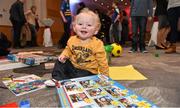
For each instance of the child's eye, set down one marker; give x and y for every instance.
(89, 25)
(79, 24)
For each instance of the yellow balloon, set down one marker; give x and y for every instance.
(117, 49)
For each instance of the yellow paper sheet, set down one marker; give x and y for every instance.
(125, 73)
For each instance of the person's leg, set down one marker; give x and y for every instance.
(106, 34)
(123, 35)
(173, 19)
(81, 73)
(33, 35)
(173, 15)
(163, 31)
(68, 32)
(61, 70)
(119, 32)
(160, 38)
(66, 35)
(160, 32)
(165, 34)
(116, 32)
(142, 30)
(15, 34)
(20, 25)
(66, 70)
(111, 34)
(135, 33)
(62, 40)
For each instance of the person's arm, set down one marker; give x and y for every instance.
(118, 16)
(100, 56)
(150, 9)
(61, 11)
(27, 13)
(63, 17)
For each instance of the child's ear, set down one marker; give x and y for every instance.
(74, 28)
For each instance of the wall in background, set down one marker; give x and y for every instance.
(5, 24)
(4, 11)
(6, 4)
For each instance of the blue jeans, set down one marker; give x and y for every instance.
(114, 32)
(33, 34)
(138, 25)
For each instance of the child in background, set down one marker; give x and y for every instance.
(84, 54)
(32, 19)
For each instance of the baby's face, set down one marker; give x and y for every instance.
(85, 26)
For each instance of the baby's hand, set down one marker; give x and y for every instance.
(62, 58)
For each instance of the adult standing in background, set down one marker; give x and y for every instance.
(17, 19)
(173, 16)
(32, 19)
(66, 15)
(114, 28)
(161, 13)
(125, 27)
(141, 10)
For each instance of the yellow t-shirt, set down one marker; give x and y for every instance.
(88, 55)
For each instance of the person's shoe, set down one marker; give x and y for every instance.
(132, 51)
(171, 49)
(164, 45)
(159, 47)
(50, 83)
(144, 51)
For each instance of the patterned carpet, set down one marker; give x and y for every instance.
(162, 86)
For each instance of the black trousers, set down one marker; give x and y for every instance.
(17, 26)
(173, 15)
(66, 70)
(67, 33)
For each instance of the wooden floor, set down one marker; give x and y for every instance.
(162, 86)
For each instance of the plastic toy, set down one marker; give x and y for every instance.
(108, 49)
(24, 104)
(117, 49)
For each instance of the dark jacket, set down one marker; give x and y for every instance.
(161, 7)
(17, 12)
(141, 7)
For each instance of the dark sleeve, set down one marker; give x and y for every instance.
(62, 8)
(131, 3)
(150, 7)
